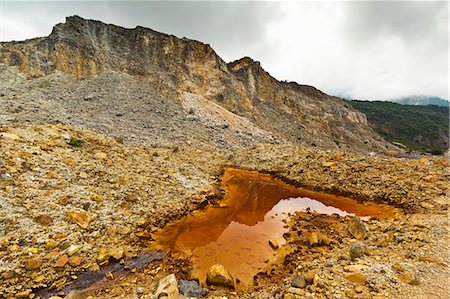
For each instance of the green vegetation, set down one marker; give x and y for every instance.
(75, 142)
(422, 128)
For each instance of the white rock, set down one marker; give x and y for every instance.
(168, 285)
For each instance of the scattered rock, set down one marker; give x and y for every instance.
(9, 136)
(80, 218)
(62, 261)
(408, 277)
(43, 219)
(357, 249)
(313, 238)
(167, 286)
(50, 244)
(89, 97)
(354, 268)
(33, 264)
(103, 255)
(357, 228)
(109, 276)
(75, 261)
(356, 277)
(274, 244)
(191, 288)
(100, 156)
(23, 294)
(139, 290)
(398, 267)
(217, 275)
(299, 282)
(362, 296)
(430, 259)
(309, 276)
(117, 253)
(73, 249)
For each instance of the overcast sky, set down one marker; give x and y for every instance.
(361, 50)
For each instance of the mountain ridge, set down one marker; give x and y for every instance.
(193, 75)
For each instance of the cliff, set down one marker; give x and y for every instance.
(190, 78)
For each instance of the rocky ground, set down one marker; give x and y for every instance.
(73, 200)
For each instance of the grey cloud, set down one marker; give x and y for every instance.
(230, 27)
(415, 22)
(360, 49)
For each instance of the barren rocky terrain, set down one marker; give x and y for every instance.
(68, 208)
(108, 134)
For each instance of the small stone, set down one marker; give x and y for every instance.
(43, 219)
(359, 289)
(357, 250)
(356, 277)
(89, 97)
(80, 218)
(100, 155)
(408, 277)
(51, 255)
(426, 205)
(313, 239)
(8, 274)
(131, 198)
(328, 164)
(96, 197)
(32, 250)
(167, 286)
(10, 136)
(430, 259)
(103, 255)
(274, 244)
(39, 279)
(354, 268)
(23, 294)
(309, 276)
(109, 276)
(75, 261)
(139, 290)
(217, 275)
(33, 264)
(73, 249)
(117, 253)
(299, 282)
(326, 240)
(398, 267)
(357, 228)
(62, 261)
(50, 244)
(190, 288)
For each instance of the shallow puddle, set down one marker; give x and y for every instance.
(254, 211)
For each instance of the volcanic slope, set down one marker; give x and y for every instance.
(156, 89)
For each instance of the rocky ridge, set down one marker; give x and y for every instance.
(182, 87)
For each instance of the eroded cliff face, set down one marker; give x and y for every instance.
(240, 94)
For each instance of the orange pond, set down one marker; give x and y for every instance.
(256, 206)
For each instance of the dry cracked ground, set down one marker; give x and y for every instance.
(74, 201)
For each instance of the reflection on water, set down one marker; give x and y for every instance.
(252, 213)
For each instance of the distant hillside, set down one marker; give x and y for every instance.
(423, 128)
(418, 100)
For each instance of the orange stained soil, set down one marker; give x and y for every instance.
(255, 209)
